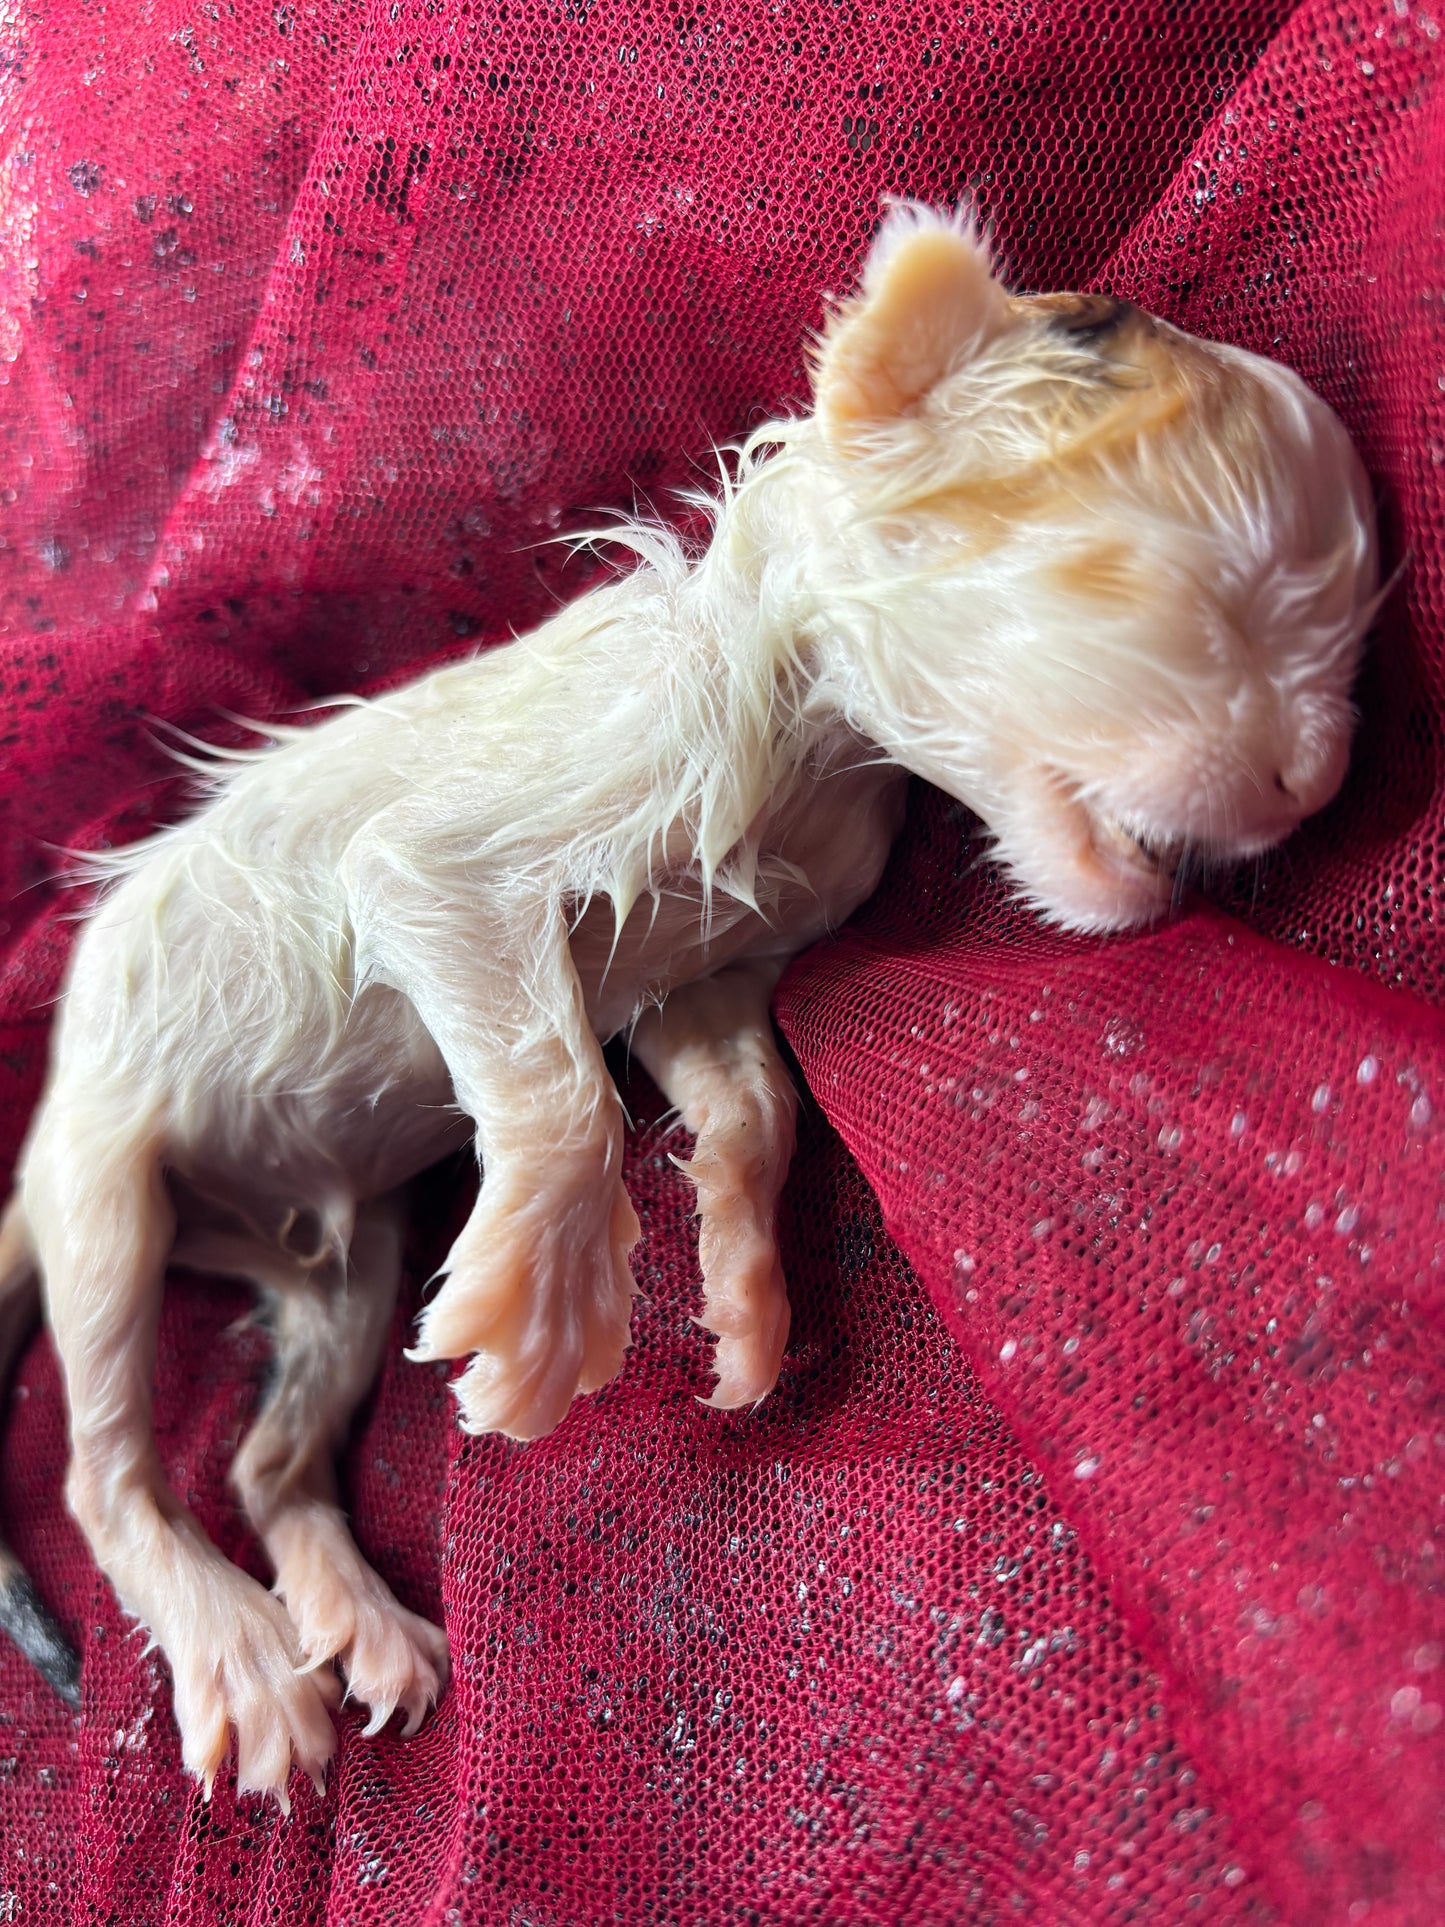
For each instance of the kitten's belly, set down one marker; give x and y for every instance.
(370, 1109)
(356, 1114)
(354, 1118)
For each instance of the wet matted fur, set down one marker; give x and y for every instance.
(1102, 582)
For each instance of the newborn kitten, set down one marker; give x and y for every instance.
(1103, 583)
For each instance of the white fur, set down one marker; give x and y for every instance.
(1107, 590)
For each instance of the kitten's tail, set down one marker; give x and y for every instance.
(22, 1615)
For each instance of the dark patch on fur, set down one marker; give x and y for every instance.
(1091, 317)
(1087, 318)
(25, 1619)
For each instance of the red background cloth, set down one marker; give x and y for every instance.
(1081, 1568)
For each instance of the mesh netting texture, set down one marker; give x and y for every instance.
(1084, 1566)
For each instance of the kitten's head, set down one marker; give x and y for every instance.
(1116, 577)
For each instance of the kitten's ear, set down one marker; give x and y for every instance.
(929, 301)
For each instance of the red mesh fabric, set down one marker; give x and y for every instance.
(1083, 1567)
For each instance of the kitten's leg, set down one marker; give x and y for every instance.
(330, 1332)
(710, 1047)
(102, 1225)
(538, 1284)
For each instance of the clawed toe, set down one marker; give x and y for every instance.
(747, 1367)
(280, 1716)
(392, 1659)
(521, 1398)
(397, 1662)
(746, 1308)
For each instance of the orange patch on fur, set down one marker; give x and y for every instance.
(1104, 573)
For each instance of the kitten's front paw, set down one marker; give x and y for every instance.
(747, 1310)
(540, 1289)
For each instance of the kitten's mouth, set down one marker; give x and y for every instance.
(1101, 868)
(1090, 867)
(1142, 853)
